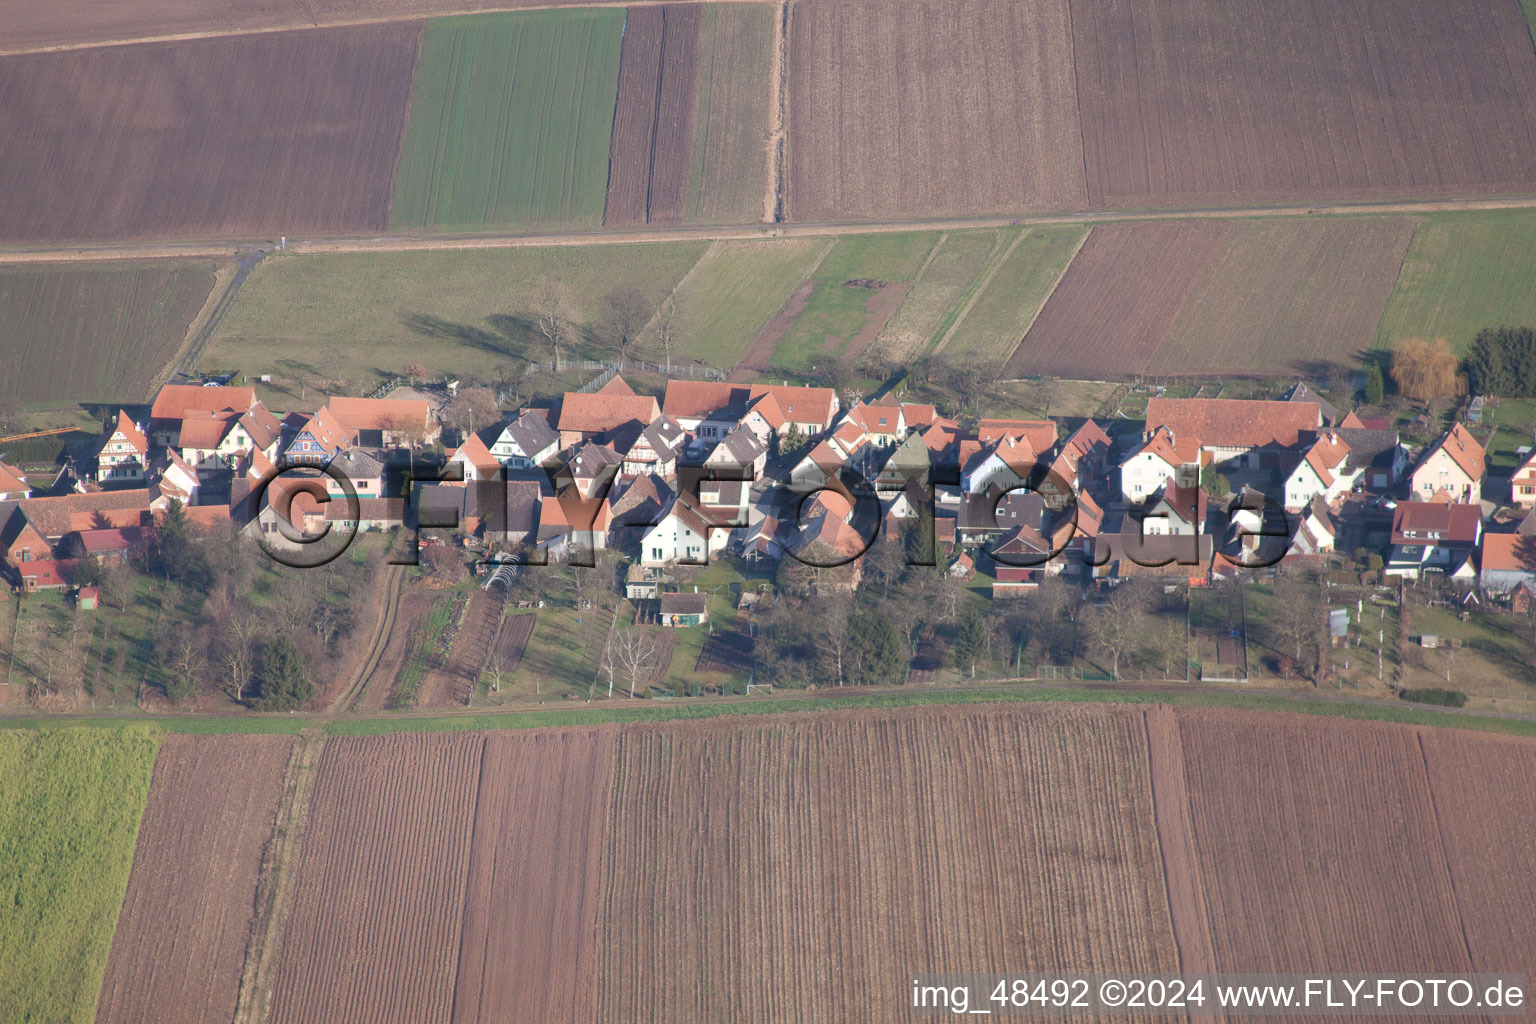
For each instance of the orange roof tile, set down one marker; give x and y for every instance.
(380, 413)
(1040, 433)
(595, 414)
(1235, 423)
(175, 401)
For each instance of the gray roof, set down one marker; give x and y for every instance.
(1369, 447)
(1302, 393)
(740, 447)
(683, 604)
(531, 432)
(591, 460)
(665, 437)
(357, 464)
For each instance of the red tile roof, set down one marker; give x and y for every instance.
(11, 480)
(206, 429)
(175, 401)
(1414, 521)
(616, 386)
(1235, 423)
(698, 399)
(596, 414)
(380, 413)
(56, 516)
(1464, 450)
(1509, 552)
(130, 431)
(1041, 434)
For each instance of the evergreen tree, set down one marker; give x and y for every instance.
(881, 653)
(281, 682)
(1375, 386)
(970, 641)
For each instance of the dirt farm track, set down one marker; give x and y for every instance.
(799, 867)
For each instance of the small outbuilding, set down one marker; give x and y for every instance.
(684, 609)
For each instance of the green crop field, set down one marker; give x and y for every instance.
(509, 121)
(1464, 272)
(69, 813)
(835, 313)
(1008, 304)
(94, 331)
(357, 316)
(728, 177)
(940, 293)
(733, 291)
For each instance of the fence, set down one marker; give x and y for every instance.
(639, 365)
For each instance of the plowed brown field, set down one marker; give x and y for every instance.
(378, 894)
(242, 136)
(930, 107)
(530, 910)
(1482, 798)
(1186, 102)
(1254, 297)
(1319, 847)
(1117, 299)
(649, 153)
(802, 869)
(186, 919)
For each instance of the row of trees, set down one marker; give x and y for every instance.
(1502, 362)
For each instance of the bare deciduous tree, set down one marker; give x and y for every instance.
(629, 652)
(625, 312)
(552, 317)
(1119, 628)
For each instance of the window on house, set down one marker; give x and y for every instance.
(656, 553)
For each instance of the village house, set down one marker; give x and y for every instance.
(385, 422)
(1000, 465)
(12, 484)
(473, 460)
(711, 409)
(1375, 453)
(592, 469)
(173, 478)
(1322, 472)
(739, 450)
(1434, 536)
(1247, 433)
(1522, 483)
(1452, 469)
(1021, 562)
(527, 442)
(123, 454)
(607, 413)
(1040, 434)
(364, 471)
(175, 403)
(1162, 458)
(1177, 511)
(219, 437)
(685, 534)
(655, 450)
(882, 421)
(1508, 560)
(315, 440)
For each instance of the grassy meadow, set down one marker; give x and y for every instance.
(734, 289)
(509, 121)
(358, 316)
(1007, 305)
(69, 814)
(834, 312)
(1464, 272)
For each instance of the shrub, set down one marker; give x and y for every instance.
(1436, 695)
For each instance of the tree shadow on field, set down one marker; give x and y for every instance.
(464, 334)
